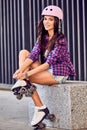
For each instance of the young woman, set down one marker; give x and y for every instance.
(49, 61)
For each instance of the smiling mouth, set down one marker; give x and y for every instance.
(47, 26)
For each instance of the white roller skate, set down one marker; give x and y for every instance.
(40, 114)
(23, 87)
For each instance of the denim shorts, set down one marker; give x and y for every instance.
(59, 79)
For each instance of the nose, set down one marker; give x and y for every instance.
(47, 21)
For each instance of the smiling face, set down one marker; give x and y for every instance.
(48, 23)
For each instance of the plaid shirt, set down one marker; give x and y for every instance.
(58, 58)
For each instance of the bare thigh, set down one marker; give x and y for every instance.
(23, 54)
(43, 78)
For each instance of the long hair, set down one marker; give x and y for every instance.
(42, 32)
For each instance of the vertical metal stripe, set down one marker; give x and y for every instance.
(52, 1)
(78, 42)
(8, 42)
(57, 2)
(47, 2)
(2, 56)
(38, 10)
(30, 25)
(34, 22)
(5, 38)
(73, 32)
(12, 39)
(68, 36)
(15, 32)
(18, 24)
(62, 6)
(23, 30)
(84, 41)
(42, 3)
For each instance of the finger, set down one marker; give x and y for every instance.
(15, 75)
(17, 71)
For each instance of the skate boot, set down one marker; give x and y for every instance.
(39, 115)
(23, 87)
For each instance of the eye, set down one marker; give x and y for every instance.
(45, 18)
(51, 19)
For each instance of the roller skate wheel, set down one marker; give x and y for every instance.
(28, 94)
(40, 126)
(15, 93)
(16, 89)
(51, 117)
(19, 96)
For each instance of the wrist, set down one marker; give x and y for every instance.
(26, 75)
(21, 70)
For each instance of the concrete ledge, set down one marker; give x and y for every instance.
(67, 101)
(6, 87)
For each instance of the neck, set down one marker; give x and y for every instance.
(50, 33)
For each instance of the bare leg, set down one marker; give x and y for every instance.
(36, 99)
(22, 56)
(40, 78)
(43, 78)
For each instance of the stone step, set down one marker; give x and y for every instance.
(67, 101)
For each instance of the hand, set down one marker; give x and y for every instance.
(17, 74)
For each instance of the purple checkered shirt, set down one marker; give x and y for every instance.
(58, 58)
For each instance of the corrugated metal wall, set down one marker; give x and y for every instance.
(18, 22)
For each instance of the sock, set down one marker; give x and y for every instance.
(42, 107)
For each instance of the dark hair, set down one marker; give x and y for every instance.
(42, 33)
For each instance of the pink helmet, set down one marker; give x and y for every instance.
(53, 10)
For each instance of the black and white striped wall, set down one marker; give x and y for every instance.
(18, 26)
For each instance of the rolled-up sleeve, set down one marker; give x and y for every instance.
(34, 55)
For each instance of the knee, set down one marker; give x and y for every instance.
(24, 53)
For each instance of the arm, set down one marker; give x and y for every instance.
(19, 72)
(38, 69)
(34, 55)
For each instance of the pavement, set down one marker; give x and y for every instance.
(13, 112)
